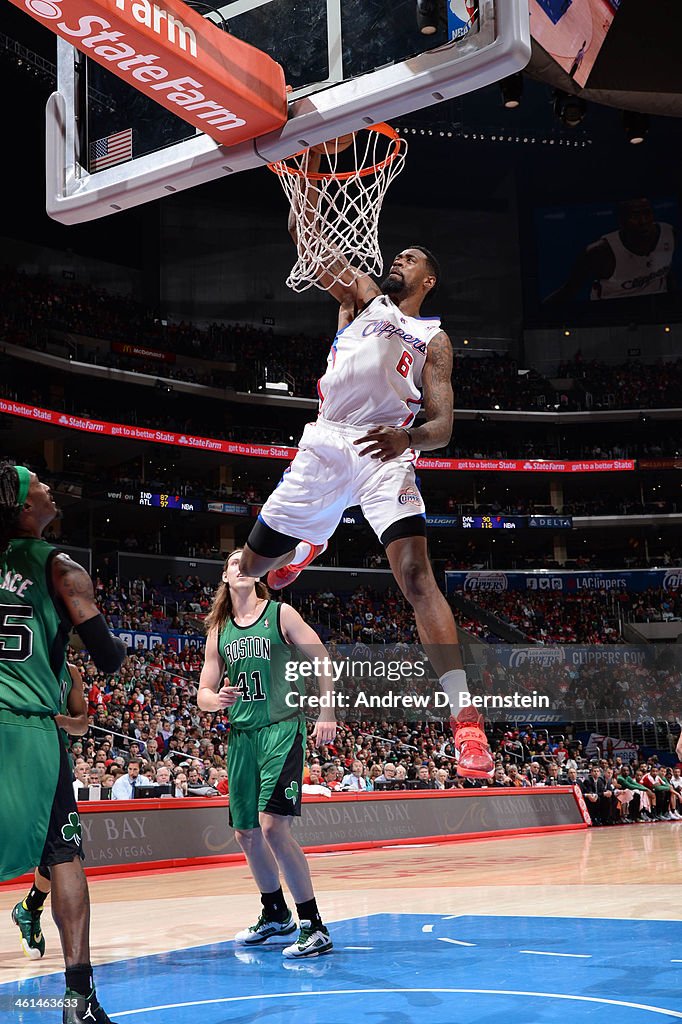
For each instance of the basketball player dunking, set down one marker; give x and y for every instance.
(385, 363)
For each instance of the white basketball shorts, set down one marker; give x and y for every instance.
(328, 475)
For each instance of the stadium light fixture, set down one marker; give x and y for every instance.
(635, 126)
(569, 109)
(512, 90)
(427, 17)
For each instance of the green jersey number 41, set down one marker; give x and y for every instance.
(243, 685)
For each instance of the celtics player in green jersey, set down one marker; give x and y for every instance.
(72, 720)
(265, 748)
(43, 595)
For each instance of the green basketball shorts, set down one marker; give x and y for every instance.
(265, 771)
(39, 823)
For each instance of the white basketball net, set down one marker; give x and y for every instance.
(337, 211)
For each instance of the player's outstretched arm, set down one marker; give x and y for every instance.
(298, 633)
(211, 696)
(73, 587)
(350, 289)
(76, 721)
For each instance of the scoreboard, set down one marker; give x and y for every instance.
(492, 522)
(175, 501)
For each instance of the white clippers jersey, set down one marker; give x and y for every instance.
(374, 367)
(637, 275)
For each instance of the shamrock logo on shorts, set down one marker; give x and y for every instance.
(71, 832)
(291, 792)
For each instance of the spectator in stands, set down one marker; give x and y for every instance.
(653, 780)
(331, 777)
(612, 805)
(423, 781)
(387, 774)
(593, 791)
(533, 773)
(125, 786)
(516, 779)
(629, 796)
(80, 772)
(315, 785)
(196, 786)
(180, 783)
(354, 781)
(163, 776)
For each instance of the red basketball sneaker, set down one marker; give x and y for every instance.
(474, 760)
(280, 578)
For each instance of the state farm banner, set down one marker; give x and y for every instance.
(273, 451)
(214, 81)
(133, 433)
(565, 581)
(142, 352)
(531, 465)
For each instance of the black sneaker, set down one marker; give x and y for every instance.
(83, 1009)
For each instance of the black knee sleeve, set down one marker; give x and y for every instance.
(268, 543)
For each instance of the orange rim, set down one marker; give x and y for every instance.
(281, 167)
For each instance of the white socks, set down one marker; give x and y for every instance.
(454, 683)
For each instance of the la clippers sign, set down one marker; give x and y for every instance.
(220, 85)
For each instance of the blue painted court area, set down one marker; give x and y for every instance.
(404, 969)
(555, 9)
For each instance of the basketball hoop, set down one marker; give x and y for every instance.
(337, 208)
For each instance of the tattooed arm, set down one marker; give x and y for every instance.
(74, 588)
(73, 585)
(438, 397)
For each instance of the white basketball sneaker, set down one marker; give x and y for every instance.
(265, 929)
(310, 942)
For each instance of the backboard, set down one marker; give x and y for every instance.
(349, 62)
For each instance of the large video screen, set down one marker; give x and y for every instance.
(603, 251)
(572, 31)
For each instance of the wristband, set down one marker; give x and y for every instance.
(409, 434)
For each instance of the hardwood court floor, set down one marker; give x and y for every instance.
(628, 873)
(586, 22)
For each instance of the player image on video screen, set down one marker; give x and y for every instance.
(634, 260)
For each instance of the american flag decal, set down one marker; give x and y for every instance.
(113, 149)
